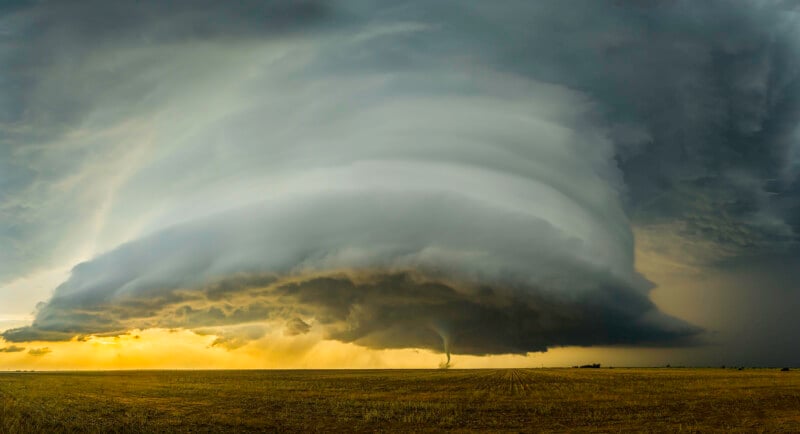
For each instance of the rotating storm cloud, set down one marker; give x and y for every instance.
(414, 175)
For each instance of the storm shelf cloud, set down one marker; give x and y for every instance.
(457, 176)
(382, 270)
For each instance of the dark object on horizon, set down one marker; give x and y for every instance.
(785, 369)
(741, 369)
(592, 366)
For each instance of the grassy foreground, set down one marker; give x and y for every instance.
(510, 400)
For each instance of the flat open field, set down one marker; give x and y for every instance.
(505, 400)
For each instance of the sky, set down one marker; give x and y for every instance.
(372, 184)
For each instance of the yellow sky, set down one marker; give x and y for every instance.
(165, 349)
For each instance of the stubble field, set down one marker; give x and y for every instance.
(660, 400)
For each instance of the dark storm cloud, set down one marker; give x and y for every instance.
(714, 113)
(482, 163)
(398, 311)
(704, 117)
(12, 349)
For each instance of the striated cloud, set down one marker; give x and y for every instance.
(429, 271)
(460, 176)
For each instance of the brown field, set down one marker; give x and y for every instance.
(661, 400)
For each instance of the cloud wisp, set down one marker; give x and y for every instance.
(39, 352)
